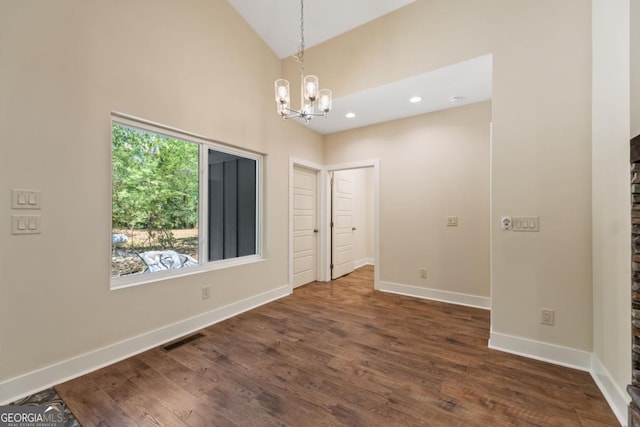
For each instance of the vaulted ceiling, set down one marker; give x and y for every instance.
(278, 23)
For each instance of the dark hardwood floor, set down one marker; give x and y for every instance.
(339, 353)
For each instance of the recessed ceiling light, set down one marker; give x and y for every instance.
(415, 99)
(350, 115)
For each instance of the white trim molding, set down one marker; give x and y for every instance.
(35, 381)
(558, 355)
(362, 262)
(617, 398)
(436, 295)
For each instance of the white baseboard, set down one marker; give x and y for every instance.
(617, 398)
(558, 355)
(436, 294)
(362, 262)
(564, 356)
(32, 382)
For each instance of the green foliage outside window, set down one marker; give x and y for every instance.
(154, 184)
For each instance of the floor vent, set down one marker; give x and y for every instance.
(181, 342)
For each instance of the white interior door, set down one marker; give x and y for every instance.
(342, 230)
(304, 226)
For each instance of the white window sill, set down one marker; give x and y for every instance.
(143, 279)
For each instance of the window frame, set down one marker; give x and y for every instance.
(204, 160)
(204, 144)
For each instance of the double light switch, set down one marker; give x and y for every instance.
(25, 224)
(26, 199)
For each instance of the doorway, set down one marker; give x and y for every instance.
(354, 240)
(351, 220)
(321, 242)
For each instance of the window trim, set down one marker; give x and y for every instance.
(204, 144)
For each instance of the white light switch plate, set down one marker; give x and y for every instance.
(26, 199)
(25, 224)
(525, 223)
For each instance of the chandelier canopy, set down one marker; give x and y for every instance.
(313, 101)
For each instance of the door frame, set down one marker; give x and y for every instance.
(324, 214)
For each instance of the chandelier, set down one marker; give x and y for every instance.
(310, 94)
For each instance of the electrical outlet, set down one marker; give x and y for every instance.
(423, 273)
(206, 292)
(505, 223)
(452, 221)
(547, 316)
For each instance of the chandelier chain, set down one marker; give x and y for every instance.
(299, 57)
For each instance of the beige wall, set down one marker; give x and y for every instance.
(611, 198)
(64, 67)
(541, 151)
(431, 166)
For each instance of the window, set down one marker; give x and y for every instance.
(232, 206)
(169, 214)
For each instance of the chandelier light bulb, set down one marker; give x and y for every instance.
(282, 91)
(310, 88)
(311, 91)
(325, 100)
